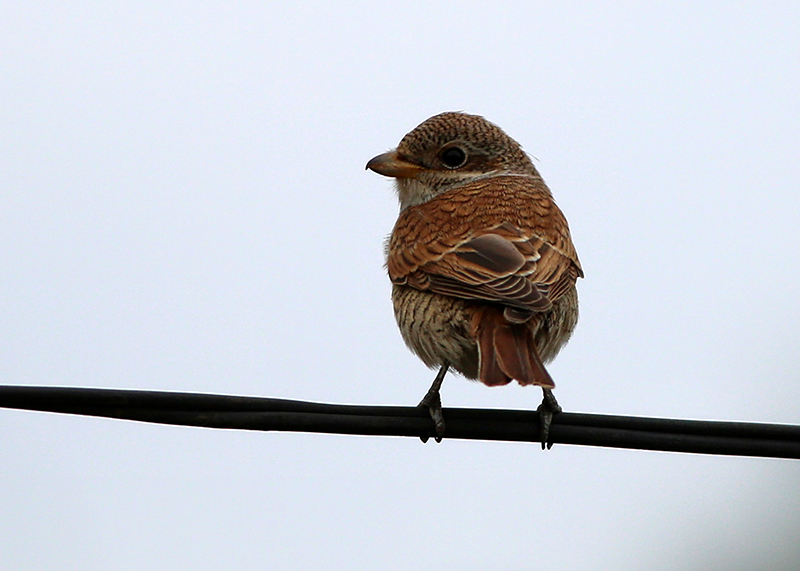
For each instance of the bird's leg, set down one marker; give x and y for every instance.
(547, 409)
(433, 402)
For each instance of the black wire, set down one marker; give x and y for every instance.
(251, 413)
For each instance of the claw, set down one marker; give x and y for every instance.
(547, 409)
(433, 402)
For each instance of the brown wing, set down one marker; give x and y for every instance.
(501, 240)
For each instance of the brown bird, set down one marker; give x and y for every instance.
(481, 260)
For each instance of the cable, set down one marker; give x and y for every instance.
(267, 414)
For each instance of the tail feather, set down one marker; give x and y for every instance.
(491, 372)
(506, 351)
(512, 350)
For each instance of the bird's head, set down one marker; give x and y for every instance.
(446, 151)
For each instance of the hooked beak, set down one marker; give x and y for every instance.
(392, 164)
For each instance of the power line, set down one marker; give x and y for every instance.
(267, 414)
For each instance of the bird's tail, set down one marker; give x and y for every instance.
(506, 351)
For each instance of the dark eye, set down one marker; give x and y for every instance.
(454, 157)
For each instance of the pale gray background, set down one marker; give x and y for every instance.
(184, 207)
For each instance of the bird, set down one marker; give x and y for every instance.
(481, 260)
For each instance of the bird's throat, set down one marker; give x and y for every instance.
(412, 192)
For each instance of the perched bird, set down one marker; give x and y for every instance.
(481, 260)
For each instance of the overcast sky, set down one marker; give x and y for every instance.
(184, 206)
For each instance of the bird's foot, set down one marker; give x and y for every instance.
(433, 402)
(547, 409)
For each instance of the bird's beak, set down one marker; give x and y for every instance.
(392, 164)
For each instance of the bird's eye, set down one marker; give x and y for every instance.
(454, 157)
